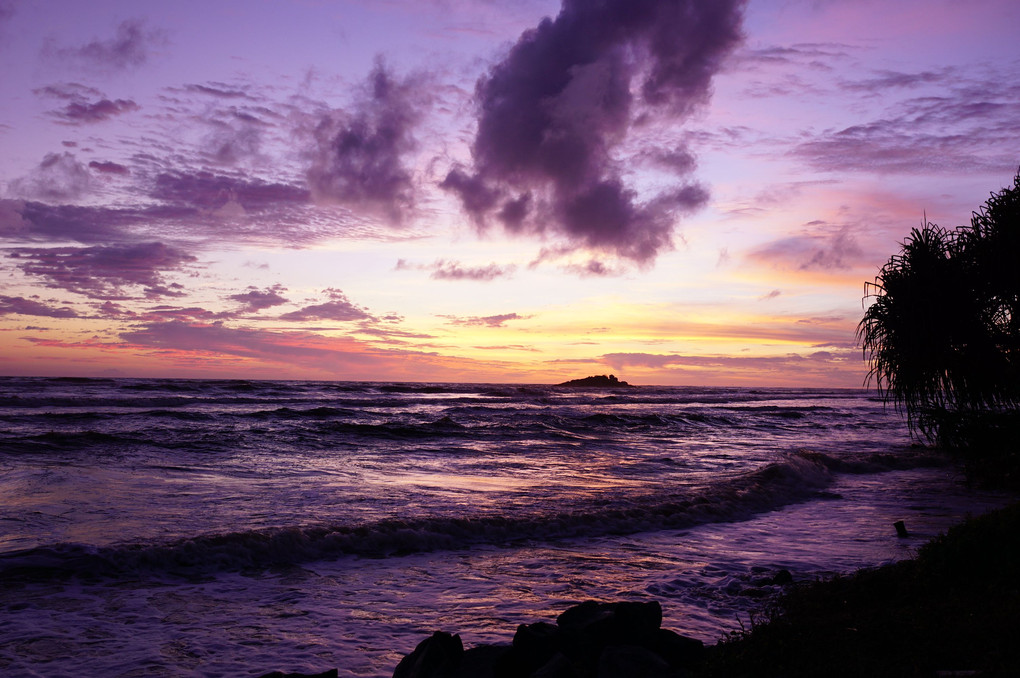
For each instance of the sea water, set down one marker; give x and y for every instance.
(227, 528)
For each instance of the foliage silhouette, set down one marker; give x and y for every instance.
(942, 333)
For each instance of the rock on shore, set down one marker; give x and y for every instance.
(596, 640)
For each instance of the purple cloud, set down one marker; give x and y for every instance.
(23, 306)
(208, 191)
(84, 224)
(129, 48)
(961, 127)
(486, 321)
(102, 271)
(190, 313)
(884, 80)
(442, 269)
(340, 355)
(69, 91)
(592, 268)
(827, 251)
(78, 112)
(359, 158)
(255, 300)
(109, 167)
(553, 112)
(217, 89)
(58, 177)
(804, 365)
(338, 308)
(12, 223)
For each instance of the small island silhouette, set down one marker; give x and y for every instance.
(599, 381)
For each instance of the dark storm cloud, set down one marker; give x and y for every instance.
(443, 269)
(78, 112)
(22, 306)
(360, 158)
(554, 110)
(103, 271)
(254, 299)
(338, 308)
(128, 48)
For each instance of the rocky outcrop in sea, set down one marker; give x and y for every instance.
(597, 381)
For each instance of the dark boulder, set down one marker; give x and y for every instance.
(588, 640)
(678, 651)
(438, 656)
(481, 661)
(534, 645)
(559, 666)
(782, 578)
(631, 661)
(620, 623)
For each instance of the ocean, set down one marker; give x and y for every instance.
(164, 527)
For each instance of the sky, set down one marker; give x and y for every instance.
(677, 192)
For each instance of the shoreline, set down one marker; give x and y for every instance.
(952, 610)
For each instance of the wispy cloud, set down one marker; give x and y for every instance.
(834, 250)
(254, 299)
(105, 271)
(129, 47)
(59, 177)
(486, 321)
(23, 306)
(444, 269)
(79, 112)
(960, 126)
(338, 308)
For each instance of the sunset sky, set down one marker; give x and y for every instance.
(676, 192)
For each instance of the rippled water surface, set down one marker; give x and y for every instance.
(183, 527)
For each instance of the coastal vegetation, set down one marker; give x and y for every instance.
(951, 611)
(942, 334)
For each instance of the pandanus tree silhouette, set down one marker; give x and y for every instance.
(942, 331)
